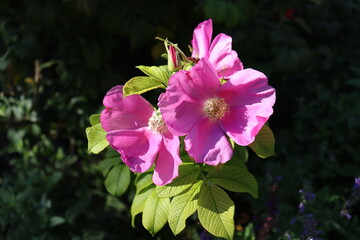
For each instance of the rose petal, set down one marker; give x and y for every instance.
(138, 148)
(220, 47)
(227, 65)
(248, 87)
(179, 111)
(168, 161)
(201, 39)
(242, 124)
(182, 103)
(207, 143)
(251, 100)
(123, 113)
(204, 79)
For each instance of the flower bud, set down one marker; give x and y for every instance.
(174, 60)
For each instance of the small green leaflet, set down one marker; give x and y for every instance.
(118, 180)
(188, 174)
(105, 165)
(159, 73)
(157, 77)
(183, 206)
(240, 152)
(216, 211)
(142, 181)
(96, 138)
(155, 213)
(139, 85)
(264, 144)
(235, 179)
(138, 203)
(94, 119)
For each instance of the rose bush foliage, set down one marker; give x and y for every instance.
(214, 105)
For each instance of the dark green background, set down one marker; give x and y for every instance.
(49, 185)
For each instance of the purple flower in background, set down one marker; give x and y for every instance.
(307, 198)
(310, 227)
(204, 235)
(305, 217)
(352, 200)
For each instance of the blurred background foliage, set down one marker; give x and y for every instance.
(58, 58)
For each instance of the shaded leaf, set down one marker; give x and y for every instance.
(264, 144)
(143, 180)
(105, 165)
(118, 179)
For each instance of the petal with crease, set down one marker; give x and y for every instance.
(168, 161)
(138, 148)
(123, 113)
(201, 39)
(207, 143)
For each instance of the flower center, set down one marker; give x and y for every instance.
(156, 123)
(216, 108)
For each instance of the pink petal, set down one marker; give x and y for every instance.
(204, 78)
(242, 124)
(168, 161)
(227, 65)
(201, 39)
(138, 148)
(222, 57)
(207, 143)
(251, 100)
(182, 104)
(248, 87)
(179, 111)
(123, 113)
(220, 47)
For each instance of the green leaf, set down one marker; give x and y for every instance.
(188, 175)
(143, 180)
(264, 144)
(94, 119)
(155, 213)
(216, 211)
(139, 85)
(240, 152)
(96, 139)
(235, 179)
(56, 220)
(182, 207)
(118, 179)
(159, 73)
(105, 165)
(138, 203)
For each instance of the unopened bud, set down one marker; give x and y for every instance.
(174, 60)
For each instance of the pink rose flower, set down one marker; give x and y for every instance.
(197, 105)
(219, 52)
(139, 134)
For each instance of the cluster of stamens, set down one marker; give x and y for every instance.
(156, 123)
(216, 108)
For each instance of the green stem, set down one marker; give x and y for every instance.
(184, 57)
